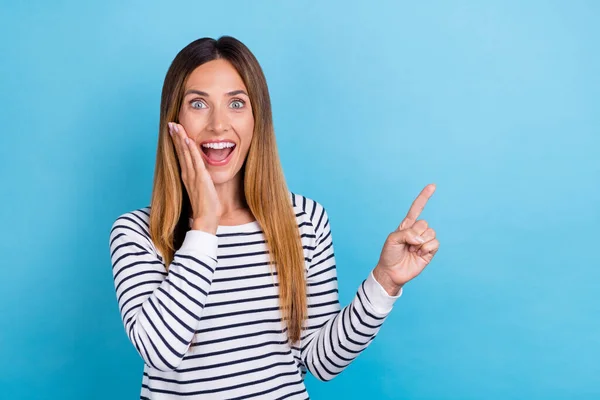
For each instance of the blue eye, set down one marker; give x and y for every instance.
(195, 103)
(238, 101)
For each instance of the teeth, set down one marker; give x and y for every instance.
(220, 145)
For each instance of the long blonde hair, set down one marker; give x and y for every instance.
(264, 184)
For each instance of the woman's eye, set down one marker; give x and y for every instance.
(237, 104)
(197, 104)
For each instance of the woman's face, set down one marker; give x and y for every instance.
(216, 112)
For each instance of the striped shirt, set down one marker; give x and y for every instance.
(211, 328)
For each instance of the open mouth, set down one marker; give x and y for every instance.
(218, 153)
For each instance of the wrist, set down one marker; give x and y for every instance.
(386, 282)
(201, 224)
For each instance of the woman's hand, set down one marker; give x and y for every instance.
(409, 249)
(206, 207)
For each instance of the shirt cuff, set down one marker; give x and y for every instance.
(197, 241)
(378, 297)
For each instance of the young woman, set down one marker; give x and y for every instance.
(227, 283)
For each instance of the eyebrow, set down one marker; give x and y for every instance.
(201, 93)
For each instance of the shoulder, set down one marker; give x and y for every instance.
(134, 225)
(311, 212)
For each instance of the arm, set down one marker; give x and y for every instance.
(334, 337)
(160, 310)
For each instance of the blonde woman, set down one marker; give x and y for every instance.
(227, 282)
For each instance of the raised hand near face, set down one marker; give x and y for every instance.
(206, 207)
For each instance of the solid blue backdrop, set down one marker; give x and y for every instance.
(496, 103)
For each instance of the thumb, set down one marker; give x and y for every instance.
(407, 236)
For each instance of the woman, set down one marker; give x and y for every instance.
(227, 283)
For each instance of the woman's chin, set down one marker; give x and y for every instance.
(220, 177)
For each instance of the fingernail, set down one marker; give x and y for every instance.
(419, 239)
(187, 141)
(175, 128)
(419, 253)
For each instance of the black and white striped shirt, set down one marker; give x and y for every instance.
(211, 328)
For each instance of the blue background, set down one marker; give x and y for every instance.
(496, 102)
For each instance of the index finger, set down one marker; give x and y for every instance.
(417, 207)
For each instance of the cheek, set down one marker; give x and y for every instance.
(247, 138)
(249, 129)
(193, 123)
(245, 130)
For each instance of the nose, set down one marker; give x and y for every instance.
(219, 120)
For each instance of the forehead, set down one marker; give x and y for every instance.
(217, 76)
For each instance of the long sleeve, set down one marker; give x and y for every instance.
(334, 337)
(160, 310)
